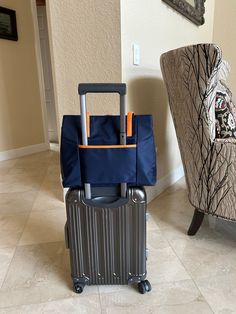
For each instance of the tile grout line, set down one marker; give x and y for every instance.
(17, 244)
(27, 220)
(198, 288)
(15, 248)
(99, 295)
(40, 303)
(30, 211)
(23, 229)
(8, 268)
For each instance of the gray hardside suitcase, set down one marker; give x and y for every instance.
(107, 238)
(106, 226)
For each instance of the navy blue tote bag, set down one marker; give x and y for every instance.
(104, 161)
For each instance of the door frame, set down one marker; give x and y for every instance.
(40, 73)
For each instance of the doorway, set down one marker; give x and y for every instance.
(47, 71)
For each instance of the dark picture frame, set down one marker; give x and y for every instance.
(8, 29)
(193, 13)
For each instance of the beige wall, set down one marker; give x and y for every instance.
(224, 35)
(157, 28)
(85, 46)
(20, 110)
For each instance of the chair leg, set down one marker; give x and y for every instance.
(196, 222)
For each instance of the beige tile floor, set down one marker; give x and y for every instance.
(188, 274)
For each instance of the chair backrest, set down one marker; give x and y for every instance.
(191, 75)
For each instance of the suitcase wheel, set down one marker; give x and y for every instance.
(78, 287)
(144, 286)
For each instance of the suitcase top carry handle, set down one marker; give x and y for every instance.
(119, 88)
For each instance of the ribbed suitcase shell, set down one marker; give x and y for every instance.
(107, 244)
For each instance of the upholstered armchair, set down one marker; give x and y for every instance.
(191, 75)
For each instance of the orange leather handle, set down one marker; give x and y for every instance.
(88, 123)
(108, 146)
(130, 124)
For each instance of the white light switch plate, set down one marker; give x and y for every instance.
(136, 54)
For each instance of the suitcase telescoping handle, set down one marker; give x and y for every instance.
(119, 88)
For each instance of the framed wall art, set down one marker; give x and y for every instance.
(8, 29)
(191, 9)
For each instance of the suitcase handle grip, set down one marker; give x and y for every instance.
(85, 88)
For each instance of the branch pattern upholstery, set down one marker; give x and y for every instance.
(191, 75)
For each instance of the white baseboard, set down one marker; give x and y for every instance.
(164, 183)
(55, 147)
(23, 151)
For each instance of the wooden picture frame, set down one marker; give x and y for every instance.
(8, 29)
(192, 12)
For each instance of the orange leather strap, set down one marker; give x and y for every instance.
(88, 123)
(129, 124)
(108, 146)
